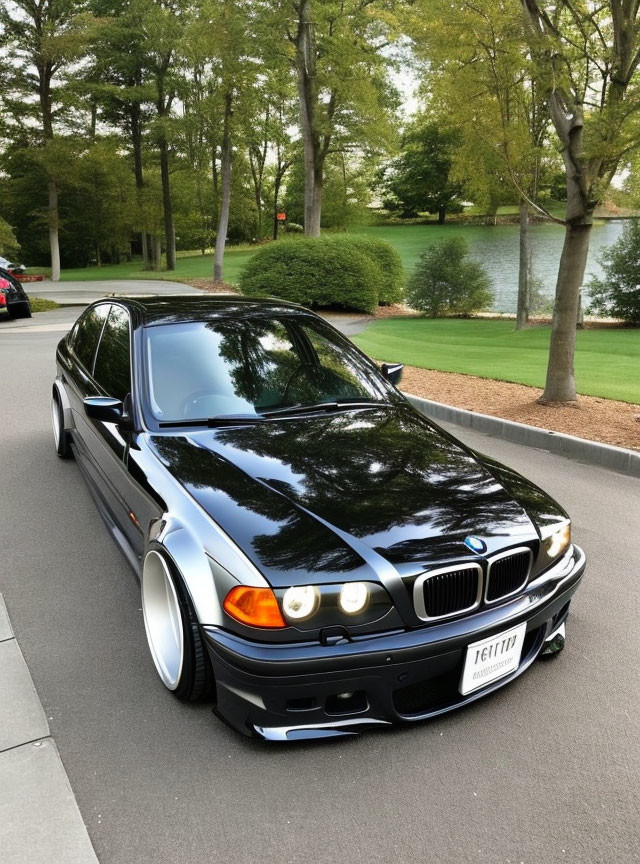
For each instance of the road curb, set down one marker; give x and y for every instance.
(40, 821)
(614, 458)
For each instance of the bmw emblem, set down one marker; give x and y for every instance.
(475, 544)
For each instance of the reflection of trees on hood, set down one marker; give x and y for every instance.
(372, 472)
(369, 471)
(292, 541)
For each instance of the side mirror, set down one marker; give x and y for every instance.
(393, 372)
(104, 408)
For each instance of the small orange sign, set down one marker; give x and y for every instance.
(281, 217)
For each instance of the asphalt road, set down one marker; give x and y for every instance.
(546, 770)
(88, 291)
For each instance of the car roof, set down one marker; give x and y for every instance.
(155, 309)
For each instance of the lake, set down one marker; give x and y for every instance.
(496, 247)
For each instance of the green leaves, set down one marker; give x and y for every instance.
(447, 282)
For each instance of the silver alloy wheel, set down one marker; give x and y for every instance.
(162, 619)
(55, 419)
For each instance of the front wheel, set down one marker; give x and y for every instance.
(174, 638)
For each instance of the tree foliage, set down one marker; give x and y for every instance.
(617, 292)
(325, 271)
(447, 282)
(420, 178)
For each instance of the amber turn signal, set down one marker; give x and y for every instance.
(256, 607)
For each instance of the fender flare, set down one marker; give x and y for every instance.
(65, 404)
(205, 581)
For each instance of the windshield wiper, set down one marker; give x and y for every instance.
(216, 422)
(320, 407)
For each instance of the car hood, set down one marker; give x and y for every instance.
(328, 497)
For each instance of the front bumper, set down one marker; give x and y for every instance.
(297, 691)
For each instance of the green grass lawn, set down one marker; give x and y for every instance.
(191, 267)
(607, 361)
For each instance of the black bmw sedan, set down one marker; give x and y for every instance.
(315, 556)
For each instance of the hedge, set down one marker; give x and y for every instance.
(316, 272)
(391, 288)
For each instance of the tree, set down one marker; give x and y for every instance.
(483, 85)
(586, 58)
(116, 81)
(447, 282)
(222, 39)
(617, 293)
(41, 42)
(420, 178)
(344, 93)
(9, 246)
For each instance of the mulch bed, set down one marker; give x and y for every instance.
(604, 420)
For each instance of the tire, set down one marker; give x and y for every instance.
(21, 310)
(61, 438)
(173, 634)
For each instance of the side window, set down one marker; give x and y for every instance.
(113, 361)
(87, 334)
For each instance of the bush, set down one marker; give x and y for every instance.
(447, 282)
(617, 293)
(321, 271)
(294, 228)
(391, 288)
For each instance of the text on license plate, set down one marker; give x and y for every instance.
(492, 658)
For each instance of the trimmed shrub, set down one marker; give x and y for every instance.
(391, 288)
(294, 228)
(617, 293)
(315, 272)
(447, 282)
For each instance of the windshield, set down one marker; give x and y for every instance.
(251, 366)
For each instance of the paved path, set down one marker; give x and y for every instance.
(545, 771)
(81, 293)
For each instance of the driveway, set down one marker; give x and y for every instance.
(82, 293)
(546, 770)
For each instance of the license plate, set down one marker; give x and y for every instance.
(493, 658)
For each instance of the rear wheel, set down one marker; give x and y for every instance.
(176, 645)
(21, 310)
(60, 434)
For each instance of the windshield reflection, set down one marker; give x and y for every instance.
(199, 370)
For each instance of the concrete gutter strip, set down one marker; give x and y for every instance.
(592, 452)
(39, 818)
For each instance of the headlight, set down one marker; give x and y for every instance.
(555, 544)
(300, 602)
(354, 597)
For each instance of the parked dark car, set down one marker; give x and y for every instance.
(14, 302)
(316, 557)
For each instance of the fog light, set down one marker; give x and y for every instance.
(300, 602)
(354, 597)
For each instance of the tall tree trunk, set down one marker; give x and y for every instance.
(216, 183)
(442, 214)
(53, 231)
(561, 384)
(136, 144)
(169, 231)
(157, 253)
(522, 312)
(225, 170)
(315, 212)
(276, 195)
(307, 93)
